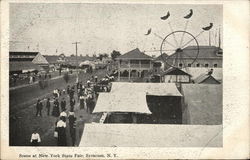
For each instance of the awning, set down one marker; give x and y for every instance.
(119, 102)
(155, 89)
(146, 135)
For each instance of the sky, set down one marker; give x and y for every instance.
(101, 28)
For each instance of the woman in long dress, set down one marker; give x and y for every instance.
(56, 111)
(61, 129)
(81, 102)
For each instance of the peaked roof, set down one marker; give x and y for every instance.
(134, 54)
(176, 71)
(204, 77)
(204, 52)
(161, 57)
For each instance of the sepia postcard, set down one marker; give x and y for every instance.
(124, 79)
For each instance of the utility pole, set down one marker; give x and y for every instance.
(209, 38)
(219, 39)
(76, 62)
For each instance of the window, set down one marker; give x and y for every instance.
(180, 64)
(189, 64)
(215, 65)
(198, 65)
(206, 65)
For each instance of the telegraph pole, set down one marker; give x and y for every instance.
(76, 61)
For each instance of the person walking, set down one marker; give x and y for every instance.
(82, 102)
(72, 103)
(39, 107)
(48, 106)
(63, 104)
(72, 126)
(71, 94)
(68, 89)
(63, 115)
(56, 110)
(61, 129)
(35, 138)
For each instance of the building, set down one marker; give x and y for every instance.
(196, 72)
(19, 67)
(206, 79)
(209, 57)
(174, 75)
(74, 61)
(25, 60)
(134, 65)
(55, 61)
(159, 63)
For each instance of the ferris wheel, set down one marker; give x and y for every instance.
(178, 41)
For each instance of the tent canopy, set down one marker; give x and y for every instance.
(118, 102)
(145, 135)
(203, 103)
(155, 89)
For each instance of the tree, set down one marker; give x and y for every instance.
(115, 54)
(100, 56)
(105, 55)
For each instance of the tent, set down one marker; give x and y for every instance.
(203, 104)
(155, 89)
(141, 135)
(118, 102)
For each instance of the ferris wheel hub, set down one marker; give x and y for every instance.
(179, 50)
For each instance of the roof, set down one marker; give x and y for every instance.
(161, 57)
(176, 71)
(151, 135)
(203, 104)
(204, 52)
(118, 102)
(156, 89)
(24, 53)
(52, 59)
(135, 54)
(204, 77)
(22, 56)
(197, 71)
(23, 65)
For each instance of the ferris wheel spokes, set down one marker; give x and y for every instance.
(165, 41)
(193, 38)
(173, 34)
(185, 28)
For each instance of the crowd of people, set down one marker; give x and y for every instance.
(28, 78)
(84, 94)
